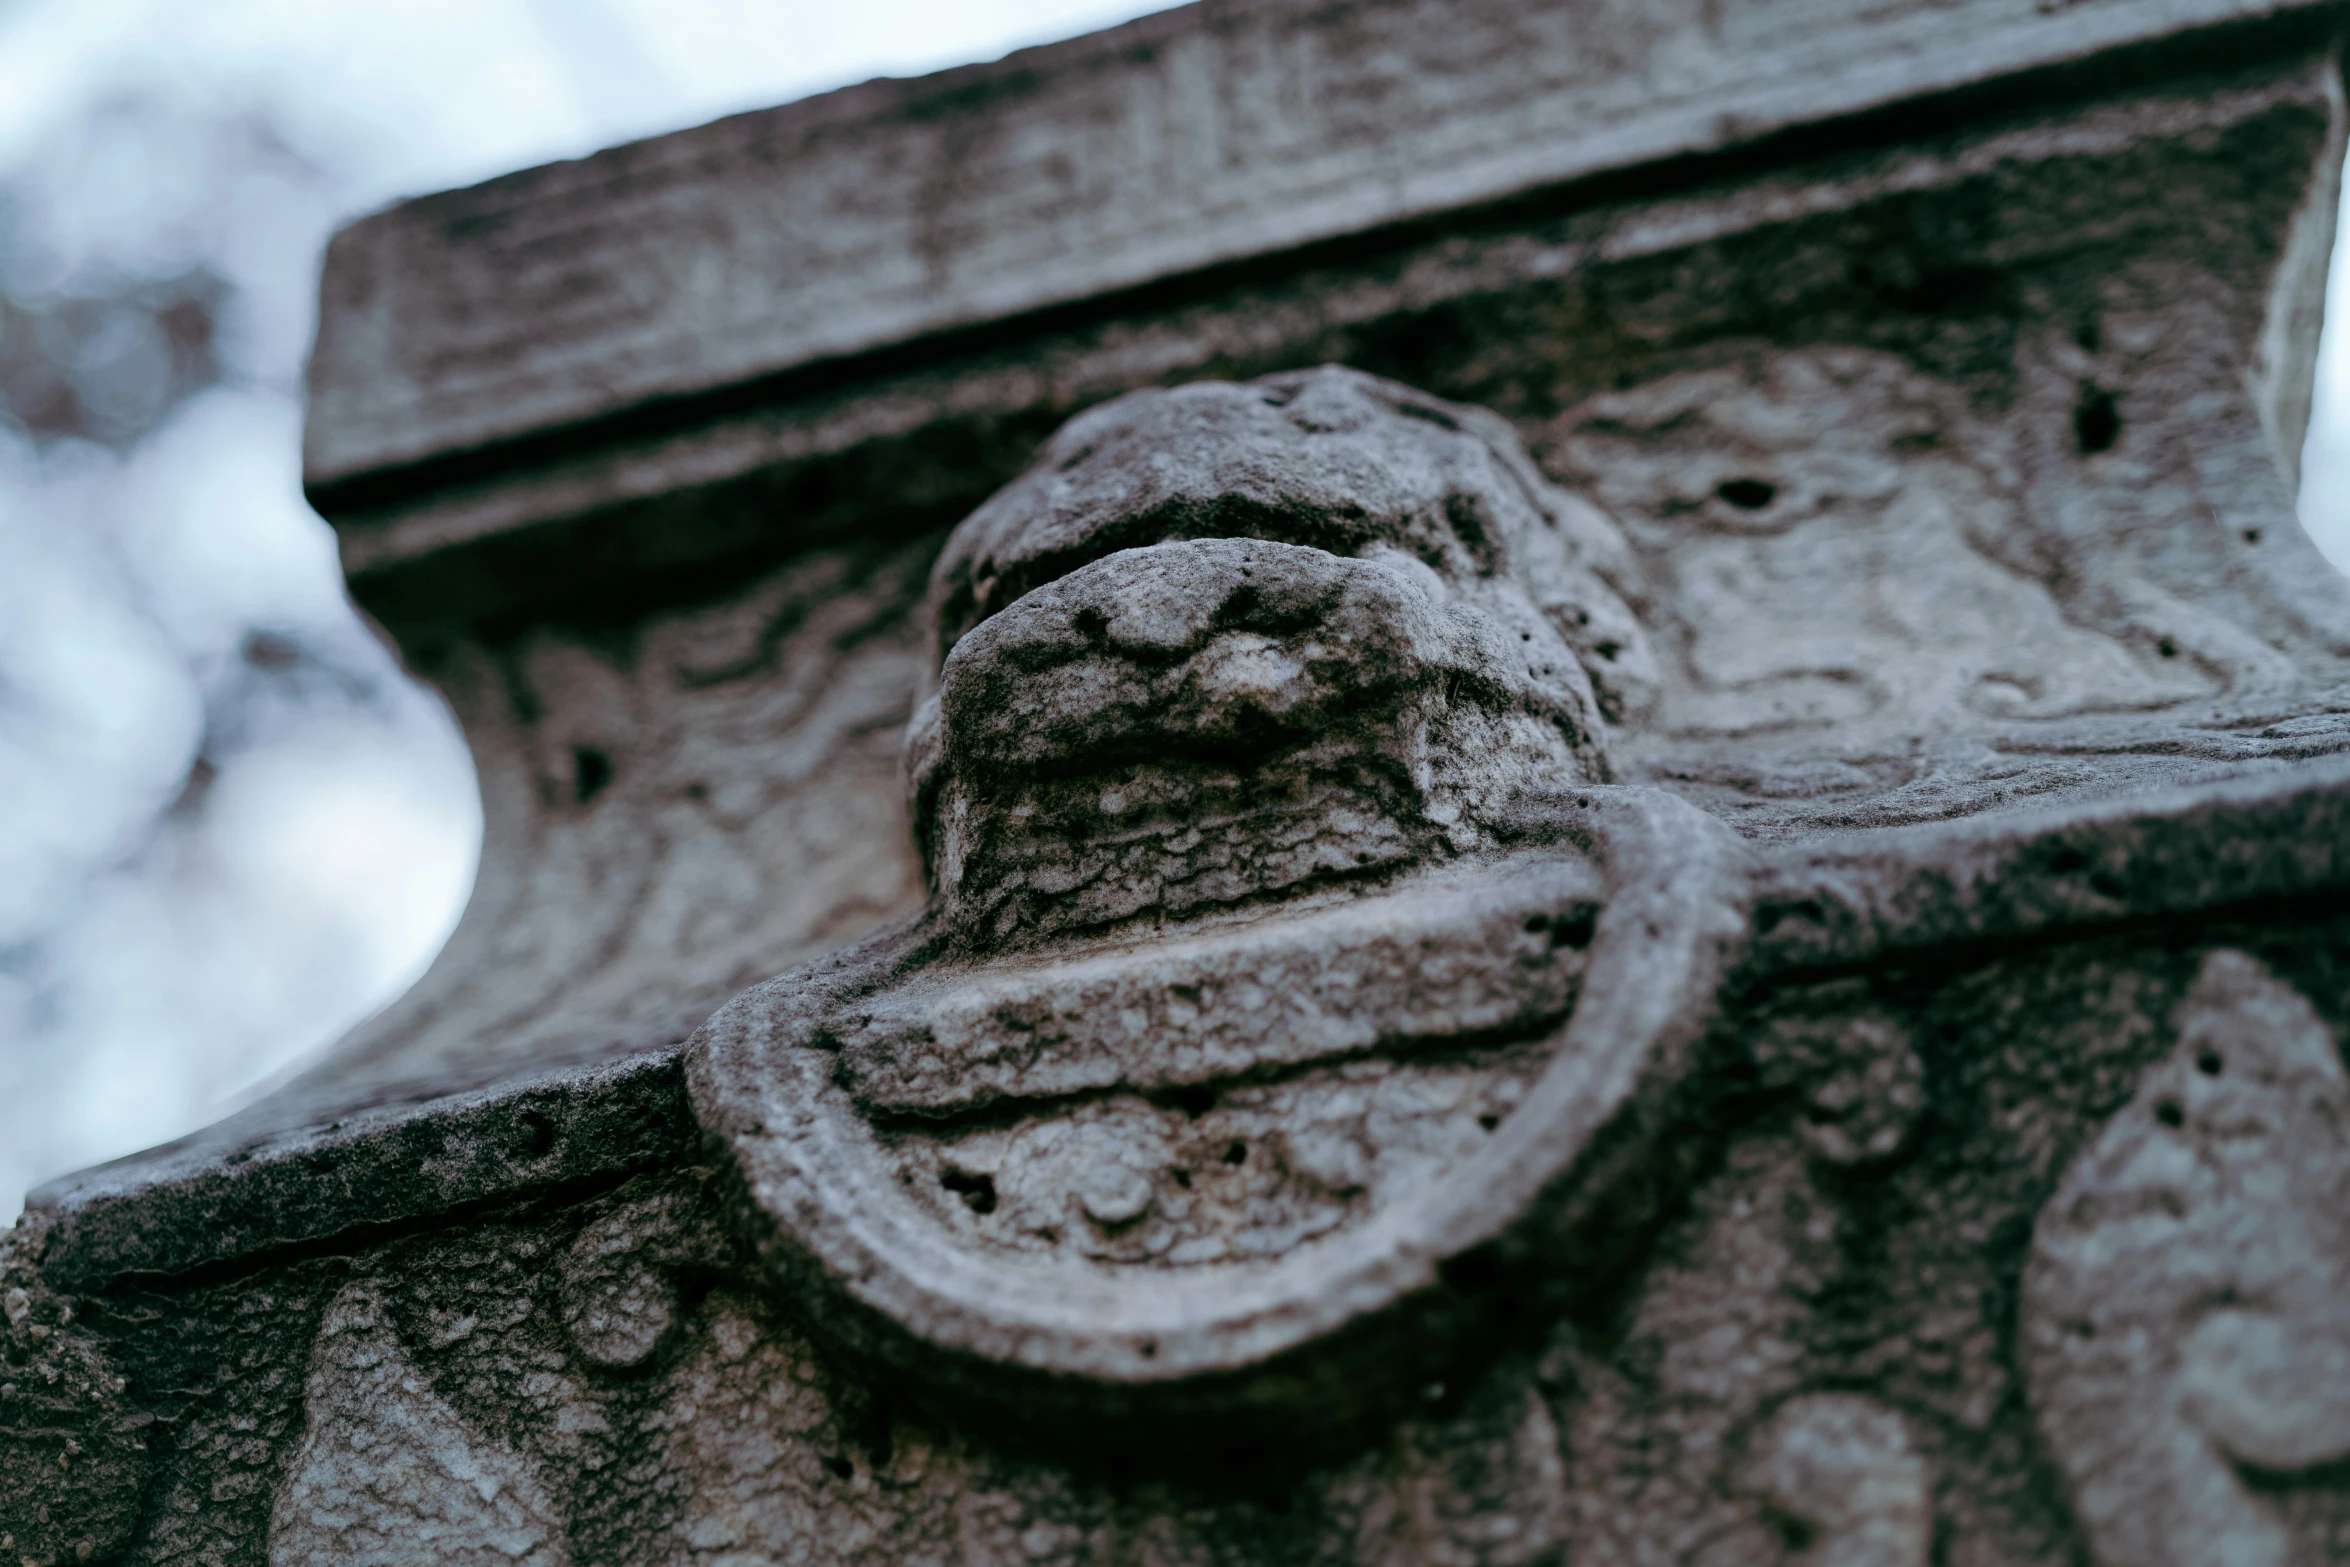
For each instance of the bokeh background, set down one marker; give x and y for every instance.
(230, 828)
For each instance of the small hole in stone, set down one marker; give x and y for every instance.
(841, 1468)
(1537, 922)
(2208, 1063)
(591, 770)
(2167, 648)
(1090, 621)
(1747, 494)
(697, 791)
(1236, 1153)
(1193, 1099)
(2097, 420)
(1794, 1533)
(1608, 650)
(2252, 535)
(1049, 1235)
(1148, 1349)
(2169, 1113)
(535, 1133)
(1489, 1122)
(1181, 1178)
(977, 1191)
(1575, 927)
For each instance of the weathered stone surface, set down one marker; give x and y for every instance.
(1203, 135)
(1944, 238)
(1936, 289)
(1733, 958)
(1841, 1470)
(1186, 1229)
(387, 1472)
(73, 1449)
(1255, 636)
(1335, 460)
(2187, 1311)
(1839, 547)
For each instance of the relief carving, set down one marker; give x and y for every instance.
(1286, 943)
(1839, 542)
(1362, 980)
(388, 1473)
(1871, 600)
(2186, 1313)
(1298, 993)
(1840, 1473)
(705, 801)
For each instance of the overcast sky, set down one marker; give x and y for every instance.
(229, 828)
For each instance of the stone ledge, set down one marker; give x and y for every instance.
(1198, 137)
(234, 1196)
(629, 508)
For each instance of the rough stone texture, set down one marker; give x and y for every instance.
(1154, 725)
(388, 1473)
(671, 811)
(1734, 957)
(1878, 606)
(1791, 1356)
(1199, 136)
(2187, 1310)
(73, 1450)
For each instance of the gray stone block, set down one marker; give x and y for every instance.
(1687, 908)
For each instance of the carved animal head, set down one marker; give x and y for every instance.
(1225, 642)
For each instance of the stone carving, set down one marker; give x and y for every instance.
(1840, 1471)
(621, 1277)
(389, 1473)
(1860, 1077)
(2186, 1321)
(729, 820)
(1275, 959)
(1843, 546)
(737, 1439)
(1869, 604)
(1441, 1011)
(1265, 635)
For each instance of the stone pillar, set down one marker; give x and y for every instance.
(1382, 783)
